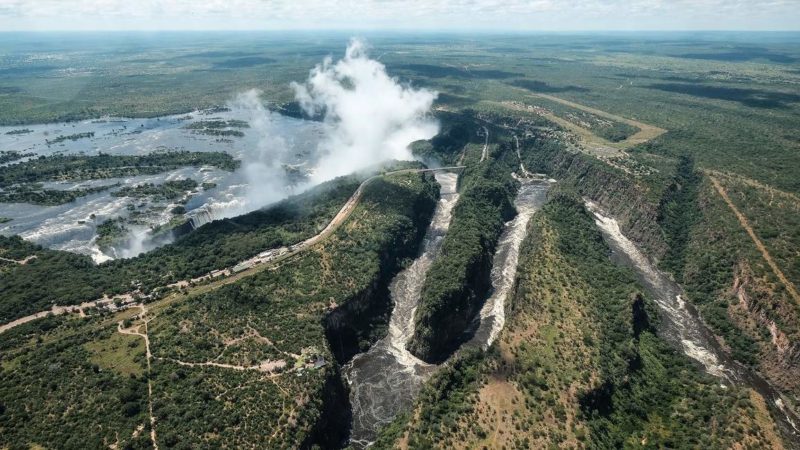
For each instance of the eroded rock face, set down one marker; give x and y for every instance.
(779, 350)
(621, 195)
(351, 325)
(639, 318)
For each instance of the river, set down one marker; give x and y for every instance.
(72, 226)
(386, 379)
(682, 326)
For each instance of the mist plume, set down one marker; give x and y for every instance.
(369, 116)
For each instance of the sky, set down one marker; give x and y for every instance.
(438, 15)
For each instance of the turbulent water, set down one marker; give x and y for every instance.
(72, 227)
(530, 198)
(386, 379)
(682, 326)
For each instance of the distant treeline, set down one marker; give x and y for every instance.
(71, 137)
(82, 167)
(67, 278)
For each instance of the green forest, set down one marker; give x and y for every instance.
(578, 364)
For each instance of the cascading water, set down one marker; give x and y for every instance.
(531, 197)
(386, 379)
(681, 325)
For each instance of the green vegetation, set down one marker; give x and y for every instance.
(678, 217)
(774, 216)
(66, 278)
(277, 315)
(721, 257)
(11, 156)
(678, 214)
(20, 181)
(608, 129)
(719, 101)
(218, 127)
(457, 130)
(34, 193)
(110, 231)
(81, 167)
(71, 137)
(271, 316)
(459, 280)
(19, 132)
(59, 388)
(168, 190)
(5, 219)
(579, 364)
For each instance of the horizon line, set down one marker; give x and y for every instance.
(404, 30)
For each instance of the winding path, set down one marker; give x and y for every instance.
(243, 268)
(134, 331)
(267, 367)
(56, 310)
(21, 262)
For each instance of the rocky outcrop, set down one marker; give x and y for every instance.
(352, 327)
(442, 329)
(779, 352)
(332, 428)
(620, 194)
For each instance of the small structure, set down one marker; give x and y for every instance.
(242, 266)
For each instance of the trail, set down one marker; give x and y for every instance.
(105, 302)
(135, 331)
(485, 153)
(240, 270)
(21, 262)
(462, 156)
(756, 184)
(592, 143)
(760, 245)
(646, 132)
(266, 366)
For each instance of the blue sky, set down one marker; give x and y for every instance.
(533, 15)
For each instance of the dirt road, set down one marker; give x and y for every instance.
(646, 132)
(760, 245)
(242, 269)
(126, 301)
(135, 331)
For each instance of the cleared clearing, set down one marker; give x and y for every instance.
(594, 144)
(646, 132)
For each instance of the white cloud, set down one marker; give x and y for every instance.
(435, 14)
